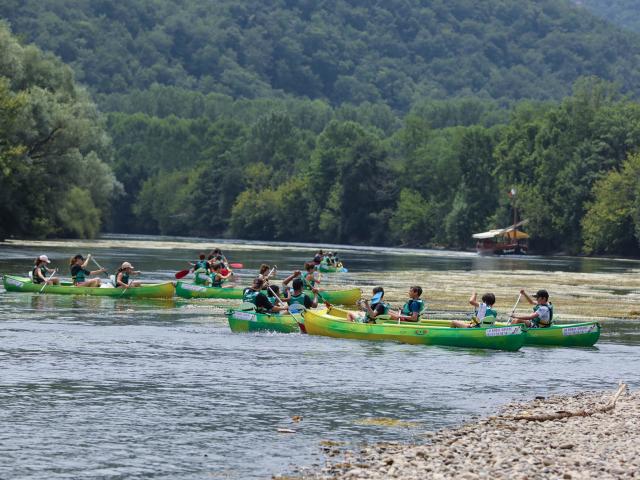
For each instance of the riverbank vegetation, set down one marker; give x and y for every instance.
(323, 121)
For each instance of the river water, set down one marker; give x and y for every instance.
(118, 388)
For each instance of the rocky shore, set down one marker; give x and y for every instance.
(520, 442)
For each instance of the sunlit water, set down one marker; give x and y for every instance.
(118, 388)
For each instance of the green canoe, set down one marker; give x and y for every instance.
(584, 334)
(155, 290)
(241, 321)
(190, 290)
(324, 268)
(499, 338)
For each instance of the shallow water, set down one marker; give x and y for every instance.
(118, 388)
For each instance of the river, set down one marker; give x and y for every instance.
(119, 388)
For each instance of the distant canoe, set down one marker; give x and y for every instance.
(150, 290)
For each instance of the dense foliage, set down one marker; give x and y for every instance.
(620, 12)
(393, 52)
(53, 178)
(400, 122)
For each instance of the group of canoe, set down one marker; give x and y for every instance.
(296, 309)
(376, 321)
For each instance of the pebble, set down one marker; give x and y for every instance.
(605, 445)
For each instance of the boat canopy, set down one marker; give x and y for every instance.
(511, 232)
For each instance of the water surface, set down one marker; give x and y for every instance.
(119, 388)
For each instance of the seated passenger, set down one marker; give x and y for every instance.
(297, 295)
(484, 316)
(122, 276)
(412, 308)
(41, 272)
(370, 312)
(79, 273)
(253, 294)
(217, 277)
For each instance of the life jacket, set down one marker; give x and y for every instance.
(36, 278)
(485, 315)
(215, 281)
(124, 278)
(201, 264)
(249, 295)
(79, 277)
(374, 307)
(300, 299)
(406, 309)
(540, 323)
(308, 284)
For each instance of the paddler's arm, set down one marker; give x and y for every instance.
(291, 277)
(526, 295)
(474, 299)
(314, 302)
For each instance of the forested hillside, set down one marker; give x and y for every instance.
(399, 122)
(625, 13)
(393, 51)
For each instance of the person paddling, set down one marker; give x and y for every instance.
(297, 295)
(317, 258)
(201, 270)
(412, 308)
(253, 294)
(370, 312)
(484, 316)
(266, 273)
(542, 315)
(311, 278)
(217, 277)
(41, 272)
(122, 276)
(79, 273)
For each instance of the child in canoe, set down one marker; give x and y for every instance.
(542, 315)
(266, 273)
(484, 316)
(41, 272)
(297, 295)
(254, 294)
(370, 312)
(217, 277)
(412, 308)
(122, 276)
(311, 278)
(79, 273)
(201, 270)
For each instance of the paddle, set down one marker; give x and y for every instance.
(100, 267)
(236, 265)
(514, 309)
(46, 282)
(182, 273)
(127, 288)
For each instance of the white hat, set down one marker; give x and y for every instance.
(126, 265)
(44, 258)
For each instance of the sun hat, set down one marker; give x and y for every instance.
(44, 258)
(126, 265)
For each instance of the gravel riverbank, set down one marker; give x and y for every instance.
(598, 445)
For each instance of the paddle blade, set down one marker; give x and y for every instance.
(344, 270)
(236, 265)
(182, 274)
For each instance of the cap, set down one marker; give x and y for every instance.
(542, 293)
(126, 265)
(376, 298)
(44, 258)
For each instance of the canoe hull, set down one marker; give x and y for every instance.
(243, 322)
(190, 290)
(508, 338)
(20, 284)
